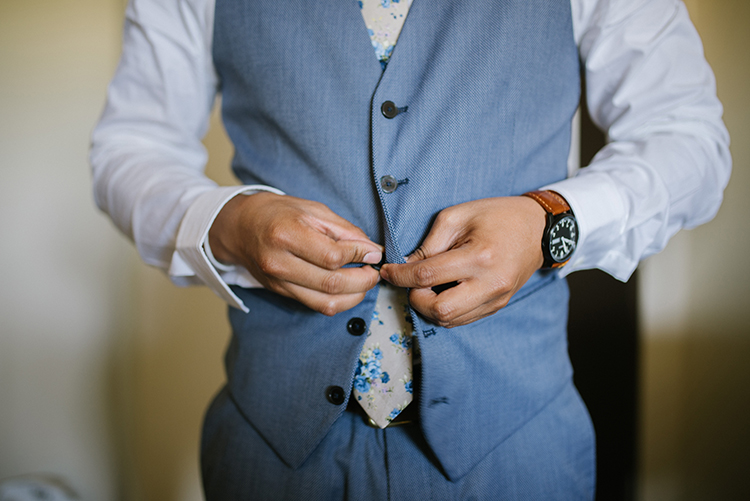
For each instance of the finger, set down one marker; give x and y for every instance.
(317, 248)
(327, 304)
(461, 305)
(331, 255)
(447, 309)
(341, 281)
(452, 266)
(472, 316)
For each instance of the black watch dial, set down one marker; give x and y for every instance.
(563, 237)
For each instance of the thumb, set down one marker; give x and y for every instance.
(346, 235)
(362, 251)
(362, 248)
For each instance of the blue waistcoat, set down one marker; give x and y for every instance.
(487, 90)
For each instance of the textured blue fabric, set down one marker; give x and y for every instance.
(550, 458)
(491, 88)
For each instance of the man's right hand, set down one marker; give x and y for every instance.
(297, 248)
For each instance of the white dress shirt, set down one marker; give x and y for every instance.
(648, 87)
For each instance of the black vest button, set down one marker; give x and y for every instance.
(335, 395)
(356, 326)
(388, 183)
(389, 109)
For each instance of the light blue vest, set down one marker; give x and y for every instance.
(487, 91)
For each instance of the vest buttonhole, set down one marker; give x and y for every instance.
(438, 401)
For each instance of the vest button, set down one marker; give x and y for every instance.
(335, 395)
(356, 326)
(389, 109)
(388, 183)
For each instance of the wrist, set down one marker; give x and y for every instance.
(222, 267)
(218, 234)
(536, 221)
(226, 235)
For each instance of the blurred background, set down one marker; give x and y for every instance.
(106, 368)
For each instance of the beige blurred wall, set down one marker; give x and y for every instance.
(695, 303)
(63, 277)
(106, 368)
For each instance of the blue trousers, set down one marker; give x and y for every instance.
(550, 458)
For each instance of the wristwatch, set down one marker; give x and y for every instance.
(561, 232)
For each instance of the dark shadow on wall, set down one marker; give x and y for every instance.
(603, 345)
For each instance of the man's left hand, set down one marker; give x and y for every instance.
(489, 247)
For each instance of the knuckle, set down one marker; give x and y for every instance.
(329, 308)
(485, 257)
(502, 285)
(443, 216)
(502, 298)
(336, 304)
(277, 234)
(332, 259)
(446, 217)
(503, 302)
(424, 276)
(444, 313)
(332, 283)
(444, 324)
(269, 266)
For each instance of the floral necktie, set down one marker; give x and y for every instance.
(383, 382)
(384, 20)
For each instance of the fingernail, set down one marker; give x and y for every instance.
(372, 258)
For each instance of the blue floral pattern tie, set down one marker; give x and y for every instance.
(384, 382)
(384, 20)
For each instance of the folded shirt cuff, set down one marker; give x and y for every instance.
(601, 215)
(230, 273)
(191, 257)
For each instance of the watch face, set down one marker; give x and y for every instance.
(563, 237)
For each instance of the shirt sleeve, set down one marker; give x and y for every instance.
(667, 160)
(147, 157)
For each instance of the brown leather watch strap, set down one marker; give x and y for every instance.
(552, 202)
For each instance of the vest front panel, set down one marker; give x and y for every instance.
(487, 91)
